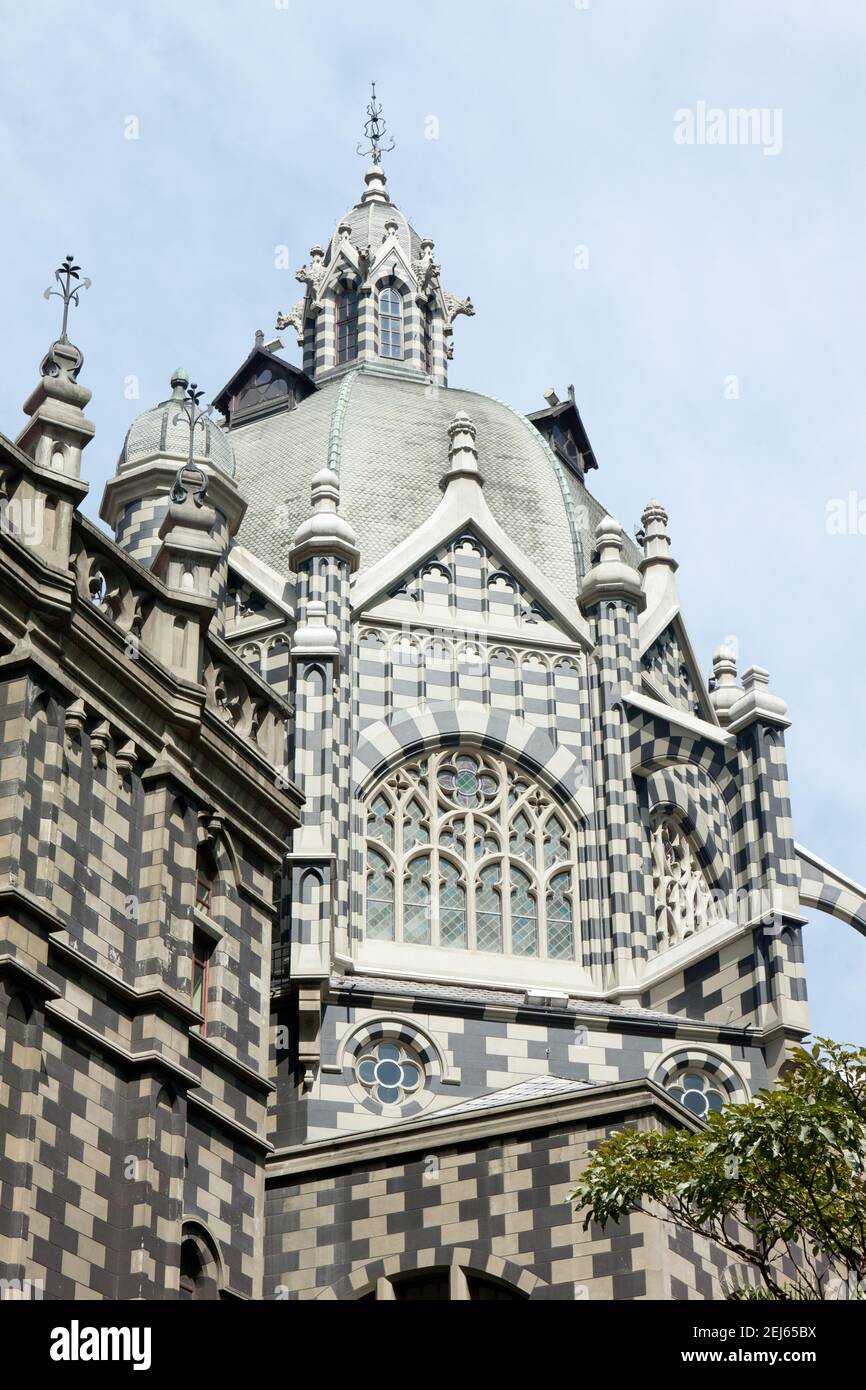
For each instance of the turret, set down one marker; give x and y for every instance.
(58, 429)
(174, 436)
(374, 295)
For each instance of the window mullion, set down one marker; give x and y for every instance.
(469, 870)
(541, 882)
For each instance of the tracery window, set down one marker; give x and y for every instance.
(390, 1071)
(698, 1092)
(390, 324)
(684, 901)
(466, 852)
(347, 326)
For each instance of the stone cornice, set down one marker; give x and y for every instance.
(432, 1132)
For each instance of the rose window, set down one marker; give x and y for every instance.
(389, 1072)
(698, 1093)
(467, 783)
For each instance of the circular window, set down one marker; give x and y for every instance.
(698, 1093)
(389, 1072)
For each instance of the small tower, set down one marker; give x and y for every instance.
(374, 296)
(770, 879)
(58, 429)
(462, 453)
(611, 599)
(38, 505)
(658, 566)
(724, 690)
(175, 435)
(324, 554)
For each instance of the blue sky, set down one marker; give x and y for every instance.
(556, 128)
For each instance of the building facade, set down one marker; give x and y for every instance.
(372, 841)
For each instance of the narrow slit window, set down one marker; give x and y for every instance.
(347, 326)
(390, 324)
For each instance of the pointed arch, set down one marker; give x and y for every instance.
(201, 1265)
(382, 744)
(668, 796)
(460, 847)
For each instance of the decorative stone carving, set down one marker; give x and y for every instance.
(313, 275)
(244, 706)
(293, 319)
(104, 584)
(684, 902)
(76, 718)
(426, 270)
(454, 306)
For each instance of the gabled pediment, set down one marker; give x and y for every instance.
(460, 568)
(259, 601)
(346, 257)
(387, 254)
(670, 670)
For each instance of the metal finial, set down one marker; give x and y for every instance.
(194, 415)
(375, 130)
(66, 276)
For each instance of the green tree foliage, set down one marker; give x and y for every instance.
(778, 1182)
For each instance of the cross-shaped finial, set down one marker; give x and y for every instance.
(191, 410)
(375, 130)
(67, 275)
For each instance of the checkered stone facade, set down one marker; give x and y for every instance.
(210, 1060)
(666, 667)
(482, 1198)
(127, 1112)
(476, 1043)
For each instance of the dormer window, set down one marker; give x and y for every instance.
(347, 326)
(390, 324)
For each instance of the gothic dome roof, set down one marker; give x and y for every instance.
(158, 433)
(367, 223)
(387, 438)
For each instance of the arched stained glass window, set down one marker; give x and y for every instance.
(524, 915)
(522, 838)
(452, 906)
(390, 324)
(416, 901)
(488, 910)
(415, 831)
(380, 897)
(556, 846)
(381, 824)
(560, 918)
(467, 853)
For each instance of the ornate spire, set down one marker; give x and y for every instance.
(724, 691)
(654, 536)
(610, 576)
(462, 452)
(187, 394)
(58, 429)
(67, 276)
(375, 130)
(324, 532)
(658, 566)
